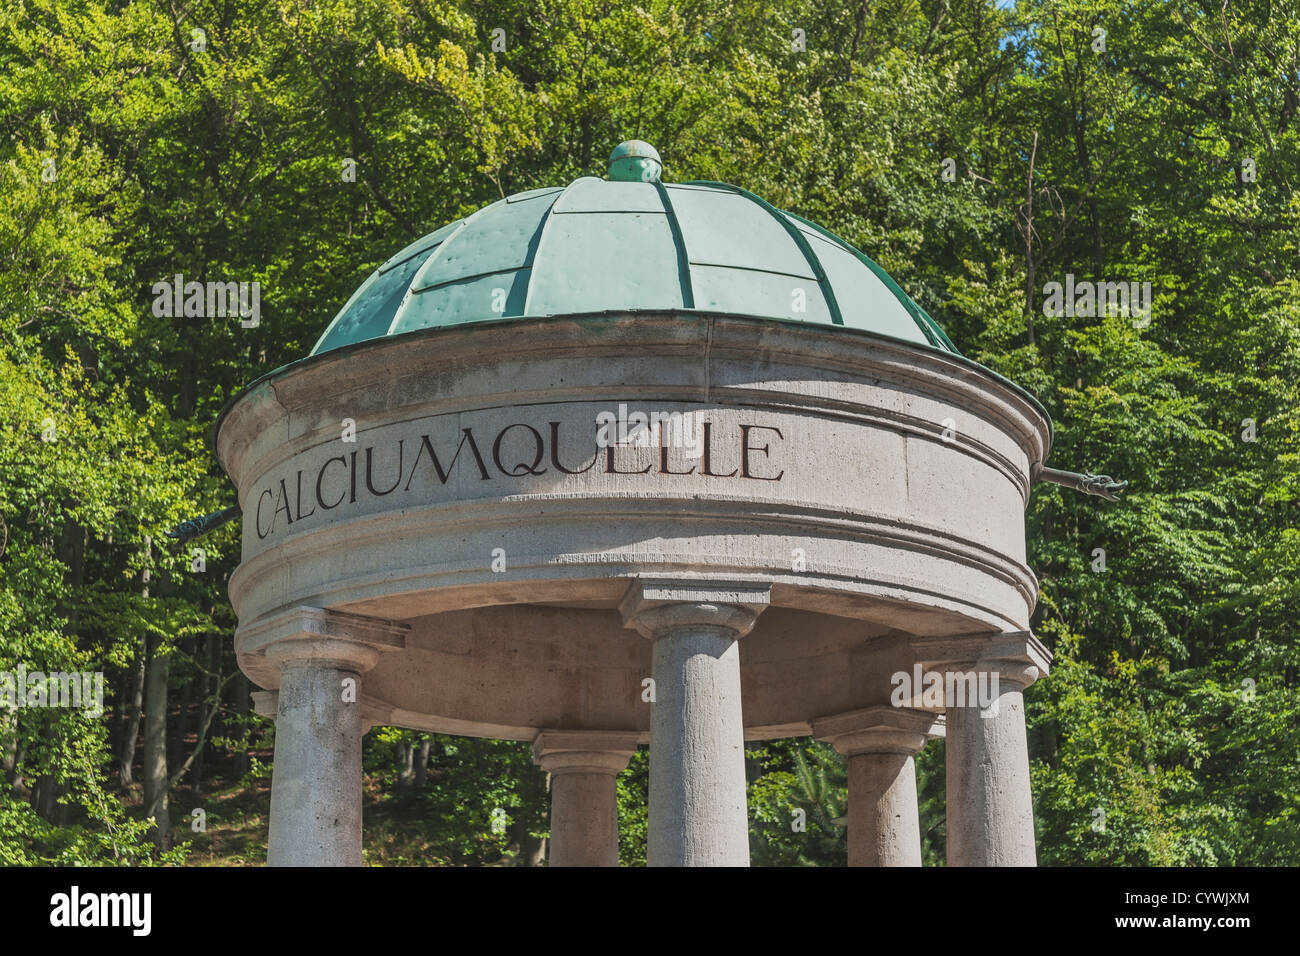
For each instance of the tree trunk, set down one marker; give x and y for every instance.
(155, 744)
(405, 763)
(131, 730)
(532, 849)
(17, 785)
(43, 797)
(9, 744)
(117, 712)
(46, 789)
(422, 762)
(126, 756)
(1031, 268)
(534, 786)
(72, 553)
(241, 694)
(12, 751)
(208, 687)
(178, 730)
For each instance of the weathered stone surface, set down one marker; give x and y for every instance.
(881, 525)
(990, 806)
(584, 768)
(316, 660)
(881, 744)
(697, 814)
(471, 554)
(316, 788)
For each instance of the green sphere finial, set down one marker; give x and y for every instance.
(635, 162)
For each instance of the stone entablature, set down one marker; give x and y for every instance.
(852, 473)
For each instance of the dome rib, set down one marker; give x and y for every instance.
(352, 299)
(541, 243)
(683, 257)
(929, 328)
(428, 264)
(828, 292)
(612, 245)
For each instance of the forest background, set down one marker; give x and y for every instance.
(1126, 141)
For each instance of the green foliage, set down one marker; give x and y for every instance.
(633, 800)
(797, 805)
(1173, 704)
(484, 802)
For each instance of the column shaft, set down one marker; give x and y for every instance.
(584, 819)
(316, 783)
(584, 766)
(697, 751)
(990, 807)
(884, 829)
(881, 743)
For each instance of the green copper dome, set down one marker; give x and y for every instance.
(630, 243)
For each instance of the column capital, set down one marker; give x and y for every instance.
(265, 702)
(1018, 657)
(880, 729)
(654, 606)
(315, 635)
(584, 751)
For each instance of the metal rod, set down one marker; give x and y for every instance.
(1103, 486)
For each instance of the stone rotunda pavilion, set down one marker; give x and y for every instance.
(628, 462)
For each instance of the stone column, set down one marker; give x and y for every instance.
(320, 657)
(990, 806)
(697, 813)
(584, 768)
(881, 744)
